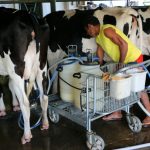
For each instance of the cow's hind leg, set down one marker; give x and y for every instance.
(42, 85)
(16, 106)
(2, 106)
(25, 109)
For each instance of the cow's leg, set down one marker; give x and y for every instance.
(16, 106)
(30, 84)
(2, 105)
(41, 79)
(24, 105)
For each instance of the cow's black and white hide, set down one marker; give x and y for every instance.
(23, 52)
(66, 28)
(144, 13)
(14, 99)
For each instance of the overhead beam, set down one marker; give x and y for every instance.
(22, 1)
(43, 1)
(53, 5)
(82, 0)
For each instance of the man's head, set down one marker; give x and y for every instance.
(92, 26)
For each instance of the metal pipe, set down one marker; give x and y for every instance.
(87, 104)
(95, 98)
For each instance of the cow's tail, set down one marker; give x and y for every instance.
(140, 27)
(139, 31)
(36, 27)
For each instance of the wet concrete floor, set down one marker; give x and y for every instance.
(66, 135)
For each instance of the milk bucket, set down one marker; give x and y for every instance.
(137, 80)
(89, 69)
(66, 81)
(120, 86)
(72, 94)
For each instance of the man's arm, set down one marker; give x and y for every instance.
(118, 40)
(100, 54)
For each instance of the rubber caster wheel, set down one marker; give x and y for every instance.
(54, 117)
(95, 142)
(134, 123)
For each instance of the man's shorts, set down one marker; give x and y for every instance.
(140, 59)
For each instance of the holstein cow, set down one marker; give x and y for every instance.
(15, 103)
(23, 52)
(14, 98)
(66, 28)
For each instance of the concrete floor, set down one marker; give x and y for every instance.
(67, 135)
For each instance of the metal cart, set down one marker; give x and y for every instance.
(96, 102)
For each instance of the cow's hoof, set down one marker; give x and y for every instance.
(25, 140)
(45, 127)
(16, 108)
(2, 113)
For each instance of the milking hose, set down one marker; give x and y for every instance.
(21, 122)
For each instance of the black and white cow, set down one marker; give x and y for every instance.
(15, 103)
(23, 52)
(66, 28)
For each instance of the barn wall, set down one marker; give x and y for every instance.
(10, 5)
(59, 6)
(75, 5)
(81, 5)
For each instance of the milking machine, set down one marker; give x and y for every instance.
(85, 96)
(70, 103)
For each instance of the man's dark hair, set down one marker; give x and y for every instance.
(90, 20)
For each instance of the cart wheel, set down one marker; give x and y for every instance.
(95, 142)
(134, 123)
(54, 117)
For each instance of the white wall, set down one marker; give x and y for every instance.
(16, 6)
(59, 6)
(46, 8)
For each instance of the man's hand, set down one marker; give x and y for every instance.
(100, 54)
